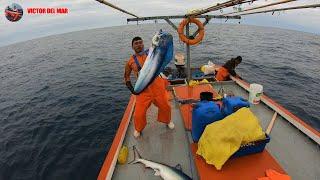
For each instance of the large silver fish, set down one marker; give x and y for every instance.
(160, 54)
(164, 171)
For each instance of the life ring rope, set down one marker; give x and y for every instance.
(184, 38)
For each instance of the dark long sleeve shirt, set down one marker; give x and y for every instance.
(230, 66)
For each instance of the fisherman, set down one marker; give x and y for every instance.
(223, 73)
(154, 93)
(177, 73)
(179, 62)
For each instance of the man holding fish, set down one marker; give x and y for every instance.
(150, 88)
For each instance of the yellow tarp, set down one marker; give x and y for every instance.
(223, 138)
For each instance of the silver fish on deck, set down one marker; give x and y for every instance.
(166, 172)
(160, 54)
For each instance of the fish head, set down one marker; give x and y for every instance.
(162, 40)
(162, 43)
(160, 54)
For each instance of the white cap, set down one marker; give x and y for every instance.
(179, 59)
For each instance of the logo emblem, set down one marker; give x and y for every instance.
(14, 12)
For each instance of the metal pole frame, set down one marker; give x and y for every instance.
(283, 9)
(188, 54)
(187, 28)
(182, 17)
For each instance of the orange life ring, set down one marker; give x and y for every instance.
(198, 38)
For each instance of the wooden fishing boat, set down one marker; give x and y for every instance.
(293, 149)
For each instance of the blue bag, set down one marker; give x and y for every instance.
(232, 103)
(204, 113)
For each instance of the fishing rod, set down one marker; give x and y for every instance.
(283, 9)
(116, 7)
(219, 6)
(263, 6)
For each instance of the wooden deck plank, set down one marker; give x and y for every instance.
(157, 143)
(186, 113)
(248, 167)
(187, 92)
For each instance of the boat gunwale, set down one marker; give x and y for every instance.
(110, 161)
(283, 112)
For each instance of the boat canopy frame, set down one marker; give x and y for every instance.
(200, 14)
(187, 29)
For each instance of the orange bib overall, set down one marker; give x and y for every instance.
(155, 93)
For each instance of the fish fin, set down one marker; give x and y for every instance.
(157, 172)
(135, 153)
(136, 150)
(178, 166)
(133, 162)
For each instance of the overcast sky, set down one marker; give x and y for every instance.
(88, 14)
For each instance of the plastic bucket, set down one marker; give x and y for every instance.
(255, 92)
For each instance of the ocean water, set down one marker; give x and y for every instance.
(62, 97)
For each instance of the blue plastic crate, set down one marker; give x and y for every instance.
(251, 148)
